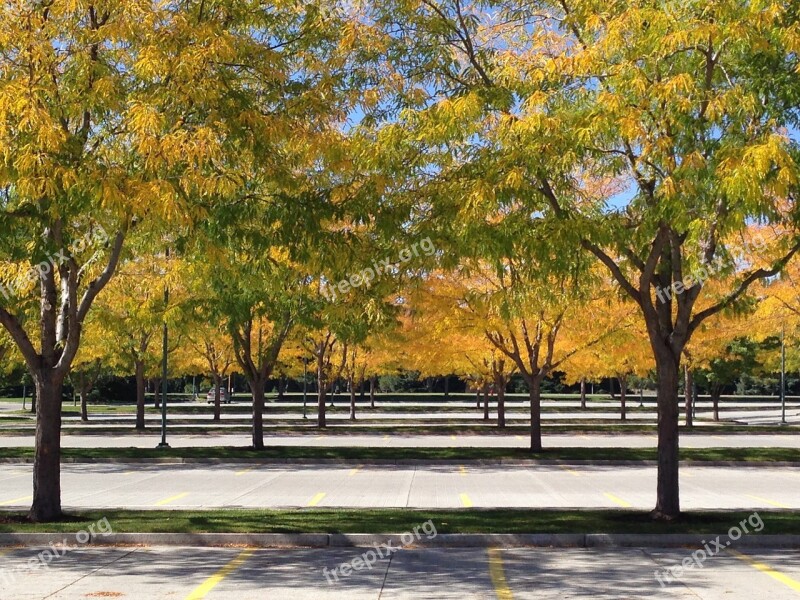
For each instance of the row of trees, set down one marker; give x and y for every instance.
(280, 154)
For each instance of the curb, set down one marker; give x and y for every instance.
(402, 462)
(359, 540)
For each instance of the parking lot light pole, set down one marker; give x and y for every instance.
(305, 386)
(164, 352)
(783, 375)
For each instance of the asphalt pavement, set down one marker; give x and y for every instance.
(406, 574)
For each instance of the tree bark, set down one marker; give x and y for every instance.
(485, 402)
(535, 396)
(217, 397)
(372, 383)
(716, 392)
(83, 392)
(501, 404)
(446, 386)
(46, 504)
(668, 491)
(140, 389)
(322, 394)
(157, 392)
(281, 387)
(583, 393)
(623, 396)
(257, 389)
(688, 384)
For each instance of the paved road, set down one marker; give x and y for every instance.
(151, 439)
(424, 486)
(410, 574)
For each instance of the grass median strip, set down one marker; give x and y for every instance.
(358, 453)
(328, 520)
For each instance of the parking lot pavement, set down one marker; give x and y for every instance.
(428, 485)
(432, 574)
(399, 440)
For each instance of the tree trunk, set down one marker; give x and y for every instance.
(83, 392)
(429, 384)
(501, 404)
(281, 388)
(46, 504)
(688, 384)
(257, 389)
(668, 491)
(623, 395)
(535, 396)
(322, 397)
(446, 386)
(716, 392)
(583, 393)
(157, 392)
(372, 383)
(33, 400)
(477, 397)
(486, 403)
(217, 397)
(351, 385)
(140, 388)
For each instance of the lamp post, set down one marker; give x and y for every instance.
(783, 375)
(305, 385)
(164, 352)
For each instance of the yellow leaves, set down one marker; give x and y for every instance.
(749, 172)
(145, 120)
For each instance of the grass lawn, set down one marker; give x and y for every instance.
(400, 520)
(450, 454)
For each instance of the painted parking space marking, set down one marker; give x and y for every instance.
(171, 499)
(618, 500)
(209, 584)
(316, 499)
(498, 575)
(764, 568)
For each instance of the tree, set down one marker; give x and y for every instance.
(648, 136)
(214, 345)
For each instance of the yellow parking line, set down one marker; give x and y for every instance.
(243, 471)
(784, 579)
(126, 473)
(209, 584)
(452, 437)
(316, 499)
(498, 575)
(618, 500)
(356, 470)
(462, 469)
(519, 437)
(570, 471)
(171, 499)
(16, 500)
(765, 501)
(465, 500)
